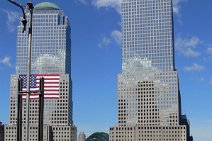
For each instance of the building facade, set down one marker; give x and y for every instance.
(81, 136)
(149, 101)
(51, 59)
(1, 132)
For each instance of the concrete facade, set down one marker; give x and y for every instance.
(51, 57)
(81, 136)
(149, 100)
(51, 133)
(150, 133)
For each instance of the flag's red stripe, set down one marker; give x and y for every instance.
(51, 94)
(48, 86)
(38, 95)
(47, 74)
(51, 97)
(54, 92)
(50, 83)
(49, 79)
(51, 90)
(44, 90)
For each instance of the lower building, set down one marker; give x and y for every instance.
(64, 133)
(1, 132)
(50, 133)
(150, 133)
(58, 124)
(81, 136)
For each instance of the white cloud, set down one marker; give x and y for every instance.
(187, 46)
(116, 4)
(12, 17)
(209, 50)
(177, 6)
(104, 42)
(6, 61)
(198, 78)
(117, 36)
(192, 42)
(194, 67)
(191, 53)
(210, 81)
(83, 1)
(44, 61)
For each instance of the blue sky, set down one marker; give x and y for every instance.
(96, 60)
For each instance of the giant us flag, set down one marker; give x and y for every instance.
(51, 85)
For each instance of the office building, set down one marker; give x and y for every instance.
(51, 59)
(149, 101)
(81, 136)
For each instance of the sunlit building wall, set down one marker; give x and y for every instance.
(51, 57)
(149, 104)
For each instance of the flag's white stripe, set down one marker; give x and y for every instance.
(51, 92)
(51, 96)
(35, 96)
(45, 96)
(32, 89)
(45, 91)
(38, 81)
(51, 88)
(46, 85)
(38, 77)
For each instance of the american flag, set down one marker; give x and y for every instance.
(51, 85)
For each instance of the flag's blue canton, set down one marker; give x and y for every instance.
(32, 80)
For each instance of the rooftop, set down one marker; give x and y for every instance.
(98, 136)
(46, 6)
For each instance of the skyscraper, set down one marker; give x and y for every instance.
(81, 136)
(51, 59)
(149, 101)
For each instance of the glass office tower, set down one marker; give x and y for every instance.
(51, 58)
(149, 106)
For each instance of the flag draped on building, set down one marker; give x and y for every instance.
(51, 85)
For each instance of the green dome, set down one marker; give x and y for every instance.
(46, 6)
(98, 136)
